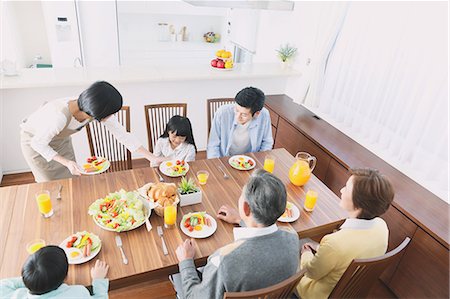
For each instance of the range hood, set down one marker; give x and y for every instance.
(248, 4)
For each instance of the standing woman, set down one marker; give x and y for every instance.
(46, 134)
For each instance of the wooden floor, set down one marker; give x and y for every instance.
(160, 289)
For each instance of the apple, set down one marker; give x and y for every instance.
(220, 64)
(214, 62)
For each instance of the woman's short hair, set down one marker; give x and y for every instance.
(45, 270)
(100, 100)
(251, 97)
(266, 196)
(372, 192)
(182, 127)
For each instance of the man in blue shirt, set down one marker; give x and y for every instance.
(241, 127)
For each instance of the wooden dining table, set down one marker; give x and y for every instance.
(21, 221)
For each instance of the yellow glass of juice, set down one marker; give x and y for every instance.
(170, 216)
(44, 203)
(35, 245)
(269, 163)
(310, 200)
(202, 177)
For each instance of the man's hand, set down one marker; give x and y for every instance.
(309, 247)
(186, 250)
(228, 214)
(99, 270)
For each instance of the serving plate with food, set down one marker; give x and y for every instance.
(120, 211)
(291, 213)
(95, 165)
(198, 225)
(174, 168)
(160, 195)
(242, 162)
(81, 247)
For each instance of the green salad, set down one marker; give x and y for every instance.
(118, 211)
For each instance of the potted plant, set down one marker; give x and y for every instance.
(286, 53)
(189, 193)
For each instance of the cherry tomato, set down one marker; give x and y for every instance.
(190, 228)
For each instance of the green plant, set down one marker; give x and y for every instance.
(285, 52)
(187, 186)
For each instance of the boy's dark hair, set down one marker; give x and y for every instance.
(100, 100)
(372, 193)
(182, 127)
(45, 270)
(251, 97)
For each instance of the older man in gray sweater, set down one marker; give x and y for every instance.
(261, 255)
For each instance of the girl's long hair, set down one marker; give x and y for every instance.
(182, 127)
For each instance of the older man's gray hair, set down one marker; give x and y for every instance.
(266, 196)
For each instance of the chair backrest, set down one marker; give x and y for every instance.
(211, 107)
(157, 116)
(281, 290)
(360, 276)
(103, 144)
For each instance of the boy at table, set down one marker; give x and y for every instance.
(241, 127)
(261, 255)
(43, 275)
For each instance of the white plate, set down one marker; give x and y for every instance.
(166, 170)
(204, 233)
(81, 259)
(105, 167)
(295, 214)
(222, 69)
(246, 158)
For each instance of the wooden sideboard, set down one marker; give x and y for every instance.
(423, 270)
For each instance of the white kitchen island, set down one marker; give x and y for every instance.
(191, 84)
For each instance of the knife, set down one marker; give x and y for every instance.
(119, 244)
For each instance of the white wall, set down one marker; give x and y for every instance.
(10, 44)
(21, 102)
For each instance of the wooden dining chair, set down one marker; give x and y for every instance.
(283, 289)
(157, 116)
(211, 107)
(103, 144)
(360, 276)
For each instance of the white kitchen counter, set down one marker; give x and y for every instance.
(53, 77)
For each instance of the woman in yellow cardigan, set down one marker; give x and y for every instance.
(366, 195)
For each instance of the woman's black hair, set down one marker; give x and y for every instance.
(100, 100)
(45, 270)
(251, 97)
(181, 126)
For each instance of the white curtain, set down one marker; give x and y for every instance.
(385, 85)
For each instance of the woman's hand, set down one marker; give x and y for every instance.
(71, 165)
(186, 250)
(99, 270)
(228, 214)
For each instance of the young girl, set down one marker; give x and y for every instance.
(177, 141)
(43, 276)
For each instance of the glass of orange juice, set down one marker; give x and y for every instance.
(269, 163)
(170, 215)
(202, 176)
(35, 245)
(44, 203)
(310, 200)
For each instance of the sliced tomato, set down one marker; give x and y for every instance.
(69, 244)
(115, 225)
(178, 162)
(190, 228)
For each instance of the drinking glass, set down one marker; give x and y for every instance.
(44, 203)
(310, 200)
(269, 163)
(35, 245)
(170, 216)
(202, 177)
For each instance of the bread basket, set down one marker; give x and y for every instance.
(162, 194)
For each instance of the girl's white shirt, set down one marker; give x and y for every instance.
(184, 151)
(50, 121)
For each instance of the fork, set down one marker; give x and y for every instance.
(160, 233)
(59, 192)
(161, 179)
(225, 175)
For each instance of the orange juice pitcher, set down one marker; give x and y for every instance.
(300, 172)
